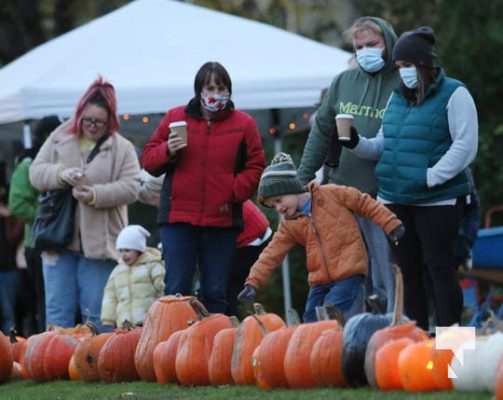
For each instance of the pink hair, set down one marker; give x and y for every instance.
(105, 92)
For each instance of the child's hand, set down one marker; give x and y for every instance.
(396, 234)
(248, 294)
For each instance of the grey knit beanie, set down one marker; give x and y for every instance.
(279, 178)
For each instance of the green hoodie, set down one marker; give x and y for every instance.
(364, 95)
(23, 198)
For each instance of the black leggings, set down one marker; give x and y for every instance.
(427, 248)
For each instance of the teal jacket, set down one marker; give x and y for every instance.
(23, 198)
(364, 95)
(416, 136)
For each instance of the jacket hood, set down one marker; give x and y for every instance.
(390, 39)
(149, 255)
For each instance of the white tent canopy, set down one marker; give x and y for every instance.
(151, 49)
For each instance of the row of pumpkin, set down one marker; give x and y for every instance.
(181, 342)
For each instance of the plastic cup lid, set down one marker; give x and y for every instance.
(346, 116)
(176, 124)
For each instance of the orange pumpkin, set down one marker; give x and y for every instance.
(165, 358)
(165, 316)
(219, 364)
(387, 376)
(48, 354)
(297, 362)
(195, 348)
(248, 337)
(73, 373)
(260, 380)
(415, 366)
(86, 356)
(6, 358)
(116, 357)
(326, 359)
(270, 355)
(441, 361)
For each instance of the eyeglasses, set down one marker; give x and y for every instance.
(97, 123)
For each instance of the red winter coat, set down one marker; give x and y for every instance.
(207, 182)
(255, 224)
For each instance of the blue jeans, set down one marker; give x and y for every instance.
(211, 250)
(380, 279)
(347, 295)
(9, 284)
(72, 281)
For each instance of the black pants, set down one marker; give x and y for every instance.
(244, 258)
(34, 263)
(428, 248)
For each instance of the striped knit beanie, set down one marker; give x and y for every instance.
(279, 178)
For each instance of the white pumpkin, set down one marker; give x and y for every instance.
(478, 371)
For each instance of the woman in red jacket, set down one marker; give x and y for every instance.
(208, 177)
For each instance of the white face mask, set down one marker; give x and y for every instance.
(370, 58)
(408, 76)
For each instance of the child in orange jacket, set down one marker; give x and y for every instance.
(321, 219)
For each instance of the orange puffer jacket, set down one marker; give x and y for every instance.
(333, 242)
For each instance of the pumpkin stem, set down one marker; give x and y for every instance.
(292, 317)
(127, 326)
(261, 325)
(258, 308)
(234, 321)
(92, 327)
(398, 307)
(12, 335)
(199, 308)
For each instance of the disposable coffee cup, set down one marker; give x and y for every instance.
(344, 122)
(180, 128)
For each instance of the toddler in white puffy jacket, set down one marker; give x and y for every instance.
(136, 282)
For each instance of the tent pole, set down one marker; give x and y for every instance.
(27, 142)
(285, 266)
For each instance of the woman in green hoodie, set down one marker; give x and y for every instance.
(362, 91)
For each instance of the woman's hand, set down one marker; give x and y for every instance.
(72, 176)
(175, 143)
(85, 194)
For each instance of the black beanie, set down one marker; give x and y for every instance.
(416, 47)
(44, 128)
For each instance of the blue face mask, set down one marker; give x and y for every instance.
(370, 58)
(409, 76)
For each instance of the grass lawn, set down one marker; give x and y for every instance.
(63, 390)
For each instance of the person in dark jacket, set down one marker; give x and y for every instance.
(208, 177)
(23, 204)
(428, 138)
(11, 232)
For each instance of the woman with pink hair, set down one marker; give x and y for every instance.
(88, 155)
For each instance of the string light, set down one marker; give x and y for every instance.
(273, 131)
(292, 126)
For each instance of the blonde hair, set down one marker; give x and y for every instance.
(360, 25)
